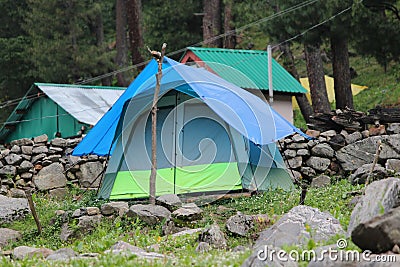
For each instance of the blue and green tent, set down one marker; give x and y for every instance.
(211, 136)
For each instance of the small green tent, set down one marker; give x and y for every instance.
(211, 136)
(58, 109)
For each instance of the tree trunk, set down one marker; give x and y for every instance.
(212, 22)
(99, 31)
(315, 72)
(230, 38)
(121, 59)
(134, 13)
(341, 72)
(302, 101)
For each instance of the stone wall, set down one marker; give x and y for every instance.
(46, 166)
(340, 154)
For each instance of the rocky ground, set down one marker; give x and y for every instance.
(47, 169)
(373, 227)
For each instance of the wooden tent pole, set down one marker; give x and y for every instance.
(152, 187)
(33, 210)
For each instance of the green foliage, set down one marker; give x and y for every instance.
(374, 36)
(65, 41)
(244, 13)
(297, 21)
(14, 59)
(172, 22)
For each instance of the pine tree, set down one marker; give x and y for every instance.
(68, 42)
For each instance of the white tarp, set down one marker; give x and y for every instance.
(85, 104)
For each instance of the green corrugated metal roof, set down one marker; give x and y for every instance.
(248, 69)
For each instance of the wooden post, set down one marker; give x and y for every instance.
(33, 210)
(378, 152)
(159, 57)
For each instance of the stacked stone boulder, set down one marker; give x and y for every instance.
(341, 153)
(47, 166)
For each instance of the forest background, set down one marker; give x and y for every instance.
(105, 42)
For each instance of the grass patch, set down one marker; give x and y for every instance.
(180, 250)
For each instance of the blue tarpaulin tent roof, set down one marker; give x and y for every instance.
(247, 113)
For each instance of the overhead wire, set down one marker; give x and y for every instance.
(273, 16)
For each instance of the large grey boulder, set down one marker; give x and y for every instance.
(50, 177)
(295, 162)
(393, 164)
(7, 236)
(318, 163)
(13, 159)
(296, 227)
(170, 201)
(321, 181)
(22, 142)
(308, 171)
(379, 234)
(8, 170)
(90, 172)
(41, 139)
(40, 150)
(151, 214)
(323, 150)
(88, 223)
(394, 128)
(290, 229)
(12, 209)
(116, 207)
(67, 233)
(125, 248)
(59, 142)
(170, 228)
(203, 247)
(15, 149)
(353, 137)
(25, 166)
(290, 153)
(240, 224)
(187, 232)
(62, 254)
(361, 174)
(79, 213)
(297, 146)
(22, 252)
(187, 213)
(27, 150)
(17, 193)
(362, 152)
(213, 236)
(379, 198)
